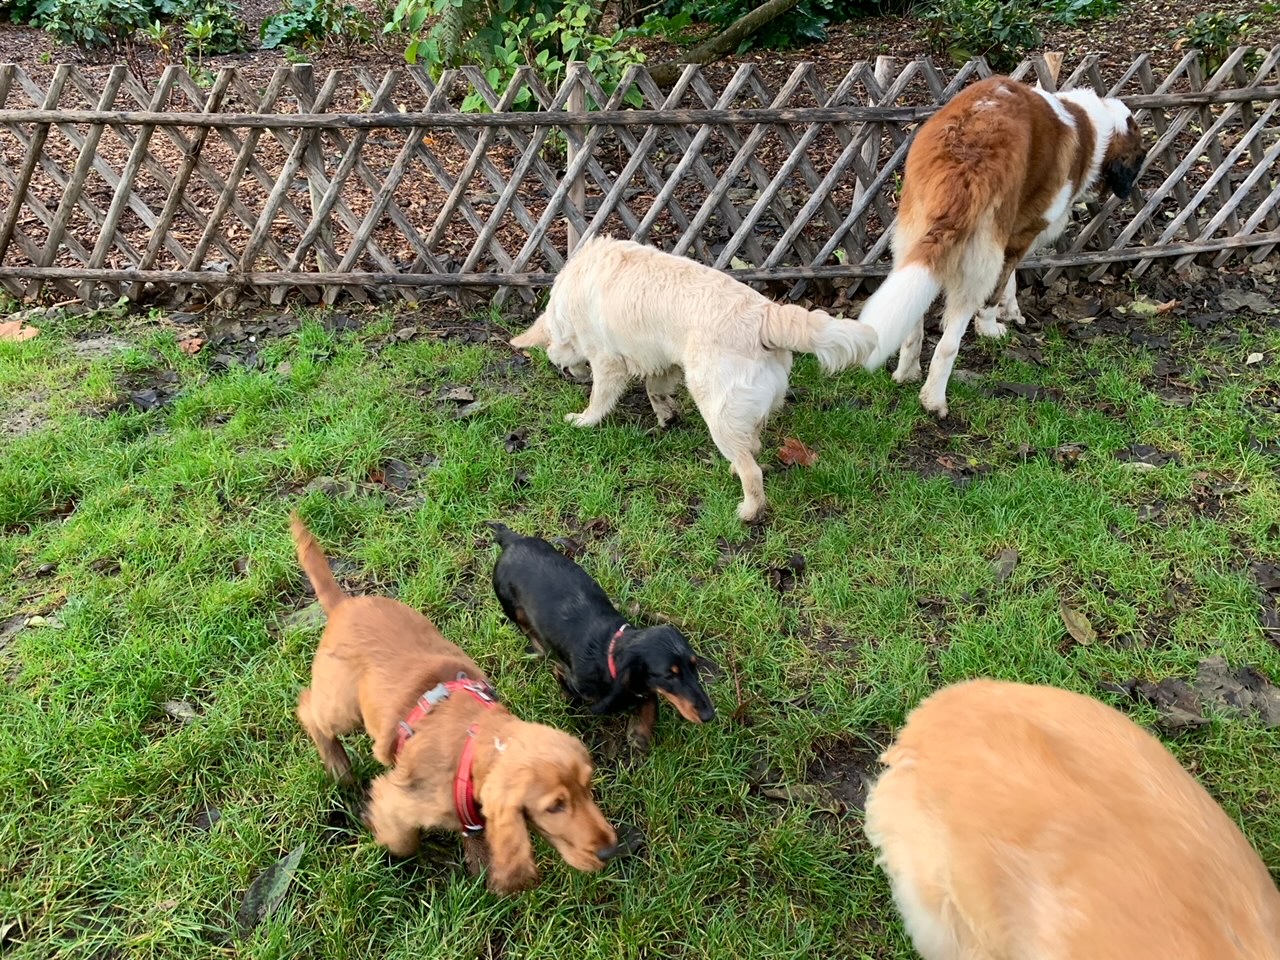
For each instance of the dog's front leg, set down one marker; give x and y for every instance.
(391, 815)
(640, 729)
(609, 382)
(661, 388)
(475, 853)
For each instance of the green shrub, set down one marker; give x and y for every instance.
(225, 25)
(803, 24)
(1072, 12)
(310, 24)
(19, 11)
(1215, 35)
(1003, 31)
(112, 23)
(501, 37)
(93, 23)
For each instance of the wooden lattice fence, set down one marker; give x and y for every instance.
(384, 186)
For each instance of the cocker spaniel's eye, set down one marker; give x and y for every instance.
(557, 807)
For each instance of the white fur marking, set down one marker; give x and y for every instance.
(1061, 204)
(499, 745)
(1109, 117)
(1061, 112)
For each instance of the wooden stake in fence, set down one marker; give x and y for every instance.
(1053, 60)
(578, 191)
(886, 70)
(314, 163)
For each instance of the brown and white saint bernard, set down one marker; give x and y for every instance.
(992, 174)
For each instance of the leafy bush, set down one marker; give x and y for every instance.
(505, 34)
(93, 23)
(1215, 35)
(225, 26)
(803, 24)
(1003, 31)
(112, 23)
(1072, 12)
(19, 11)
(310, 24)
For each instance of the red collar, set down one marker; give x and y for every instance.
(464, 799)
(613, 667)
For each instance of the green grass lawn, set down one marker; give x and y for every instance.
(152, 548)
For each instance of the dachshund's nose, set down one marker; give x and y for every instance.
(707, 713)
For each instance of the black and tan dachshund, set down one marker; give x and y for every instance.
(598, 657)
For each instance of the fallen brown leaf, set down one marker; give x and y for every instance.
(1168, 305)
(794, 453)
(1005, 563)
(1077, 623)
(191, 347)
(17, 331)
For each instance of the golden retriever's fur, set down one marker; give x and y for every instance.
(989, 177)
(631, 310)
(1028, 822)
(376, 657)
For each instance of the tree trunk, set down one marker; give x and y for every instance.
(715, 47)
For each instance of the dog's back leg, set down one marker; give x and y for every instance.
(738, 442)
(969, 285)
(322, 733)
(909, 356)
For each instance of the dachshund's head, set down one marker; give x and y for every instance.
(660, 660)
(542, 776)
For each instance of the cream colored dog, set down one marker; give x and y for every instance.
(1018, 821)
(630, 310)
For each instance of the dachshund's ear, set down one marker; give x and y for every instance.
(511, 866)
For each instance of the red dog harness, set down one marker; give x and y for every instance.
(613, 667)
(464, 798)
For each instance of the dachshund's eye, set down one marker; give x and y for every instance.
(557, 807)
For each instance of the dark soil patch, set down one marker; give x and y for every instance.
(930, 452)
(846, 766)
(1244, 692)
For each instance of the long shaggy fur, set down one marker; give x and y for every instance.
(991, 175)
(1019, 821)
(630, 310)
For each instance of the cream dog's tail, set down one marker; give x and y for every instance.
(896, 307)
(538, 334)
(836, 343)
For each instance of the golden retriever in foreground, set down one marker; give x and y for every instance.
(1018, 822)
(631, 310)
(458, 757)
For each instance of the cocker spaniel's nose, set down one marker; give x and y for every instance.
(608, 853)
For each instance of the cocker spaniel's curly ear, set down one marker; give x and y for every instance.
(511, 865)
